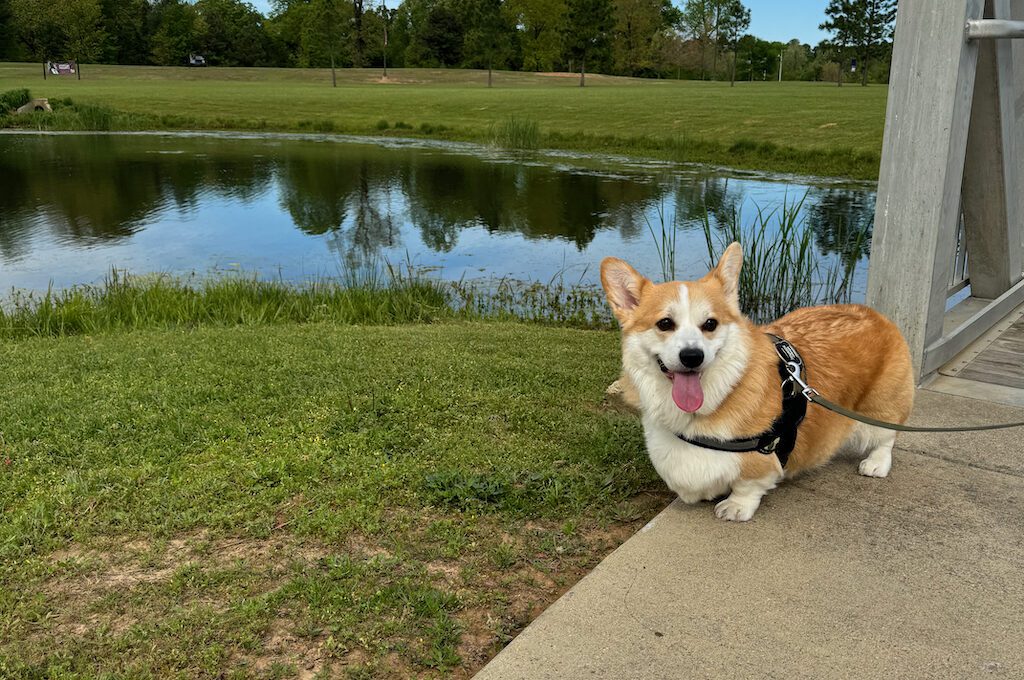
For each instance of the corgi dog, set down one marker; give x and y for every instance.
(697, 368)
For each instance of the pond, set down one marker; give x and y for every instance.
(297, 207)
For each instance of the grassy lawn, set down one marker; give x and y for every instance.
(813, 128)
(302, 499)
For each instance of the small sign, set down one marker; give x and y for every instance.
(62, 68)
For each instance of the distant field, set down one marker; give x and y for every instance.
(813, 128)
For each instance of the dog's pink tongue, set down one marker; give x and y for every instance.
(686, 391)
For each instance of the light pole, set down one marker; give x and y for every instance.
(780, 66)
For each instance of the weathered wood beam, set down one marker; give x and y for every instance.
(991, 170)
(923, 152)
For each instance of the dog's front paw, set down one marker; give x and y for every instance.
(872, 468)
(878, 463)
(737, 509)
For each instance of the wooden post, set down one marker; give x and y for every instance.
(1017, 60)
(923, 152)
(991, 213)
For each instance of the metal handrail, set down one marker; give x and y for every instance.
(981, 29)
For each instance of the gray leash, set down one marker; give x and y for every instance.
(812, 395)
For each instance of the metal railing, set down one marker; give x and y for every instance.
(959, 277)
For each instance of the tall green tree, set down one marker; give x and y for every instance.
(733, 22)
(36, 23)
(81, 25)
(795, 60)
(126, 23)
(358, 39)
(174, 31)
(540, 25)
(862, 28)
(70, 29)
(323, 33)
(8, 38)
(698, 21)
(488, 38)
(638, 25)
(437, 36)
(231, 33)
(587, 33)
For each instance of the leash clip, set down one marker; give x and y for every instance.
(793, 368)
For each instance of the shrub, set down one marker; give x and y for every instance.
(13, 99)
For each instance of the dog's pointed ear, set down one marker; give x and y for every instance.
(728, 272)
(622, 284)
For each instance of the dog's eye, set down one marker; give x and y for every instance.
(666, 324)
(709, 325)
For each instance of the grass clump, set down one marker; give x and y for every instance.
(68, 114)
(13, 99)
(516, 133)
(556, 302)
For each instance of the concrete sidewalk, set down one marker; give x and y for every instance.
(920, 575)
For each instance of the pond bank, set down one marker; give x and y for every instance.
(804, 128)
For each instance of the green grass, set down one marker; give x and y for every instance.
(252, 501)
(810, 128)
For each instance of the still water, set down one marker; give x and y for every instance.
(74, 206)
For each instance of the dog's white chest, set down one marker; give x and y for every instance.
(693, 472)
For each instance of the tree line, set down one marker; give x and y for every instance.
(705, 39)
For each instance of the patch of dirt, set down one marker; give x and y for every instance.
(480, 640)
(450, 572)
(282, 646)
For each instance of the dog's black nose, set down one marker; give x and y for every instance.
(691, 357)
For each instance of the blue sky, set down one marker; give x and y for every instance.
(785, 19)
(769, 19)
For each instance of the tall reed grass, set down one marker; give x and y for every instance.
(665, 243)
(782, 268)
(516, 133)
(369, 294)
(124, 302)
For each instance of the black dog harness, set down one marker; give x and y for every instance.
(781, 437)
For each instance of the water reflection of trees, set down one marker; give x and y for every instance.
(842, 220)
(708, 196)
(88, 189)
(359, 198)
(535, 201)
(839, 218)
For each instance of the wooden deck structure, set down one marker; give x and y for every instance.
(999, 363)
(950, 208)
(991, 368)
